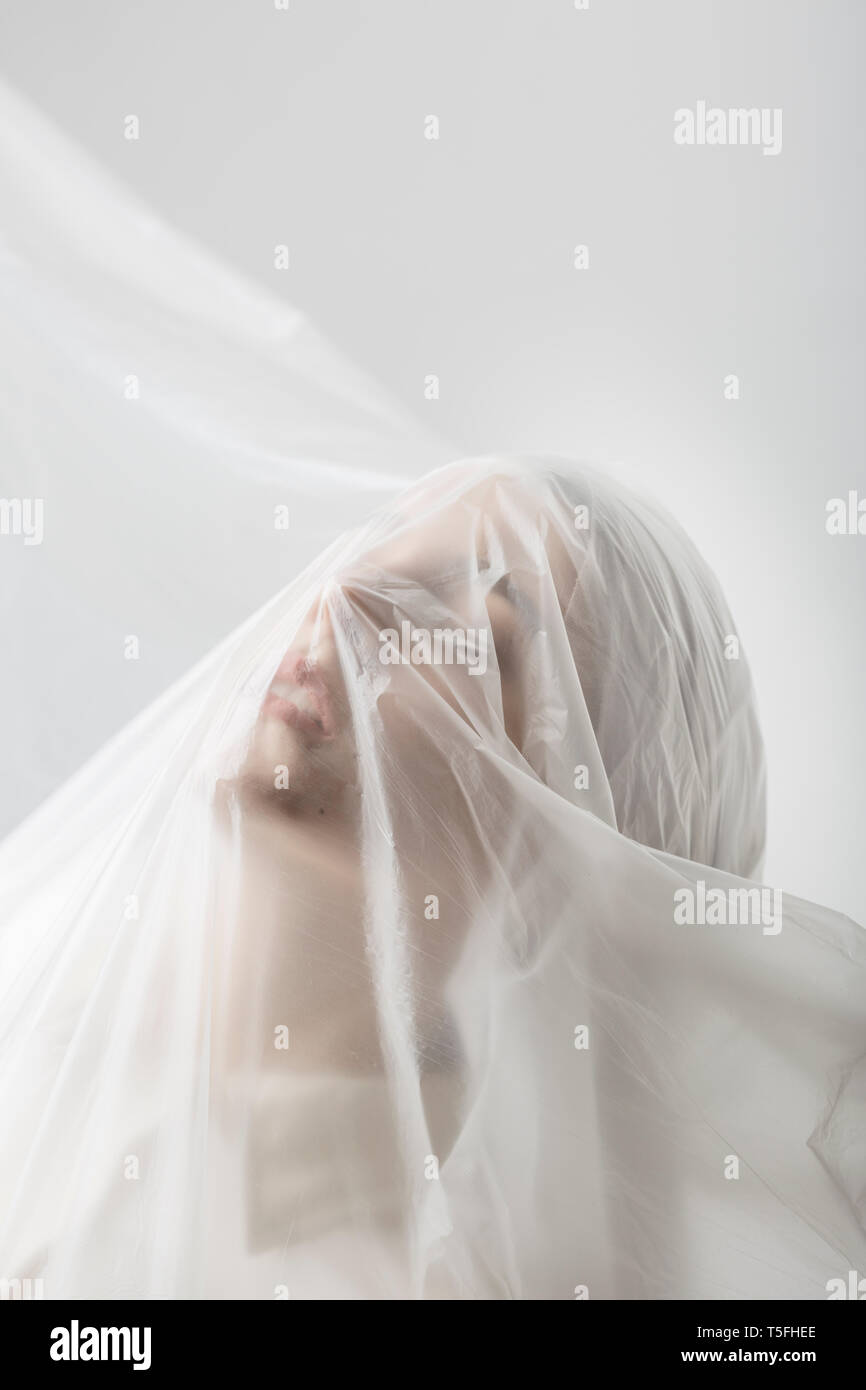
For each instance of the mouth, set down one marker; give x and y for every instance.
(299, 698)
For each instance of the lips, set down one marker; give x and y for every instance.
(299, 698)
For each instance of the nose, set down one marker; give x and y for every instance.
(312, 640)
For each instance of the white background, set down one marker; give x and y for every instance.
(456, 257)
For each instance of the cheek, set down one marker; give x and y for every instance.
(513, 708)
(507, 642)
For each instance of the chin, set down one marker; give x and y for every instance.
(285, 771)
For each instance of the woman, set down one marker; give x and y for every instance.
(381, 965)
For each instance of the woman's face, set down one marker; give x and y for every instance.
(433, 575)
(301, 757)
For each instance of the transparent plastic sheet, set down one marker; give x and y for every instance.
(345, 976)
(191, 439)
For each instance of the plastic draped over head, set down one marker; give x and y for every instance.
(409, 947)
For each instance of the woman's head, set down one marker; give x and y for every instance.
(546, 613)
